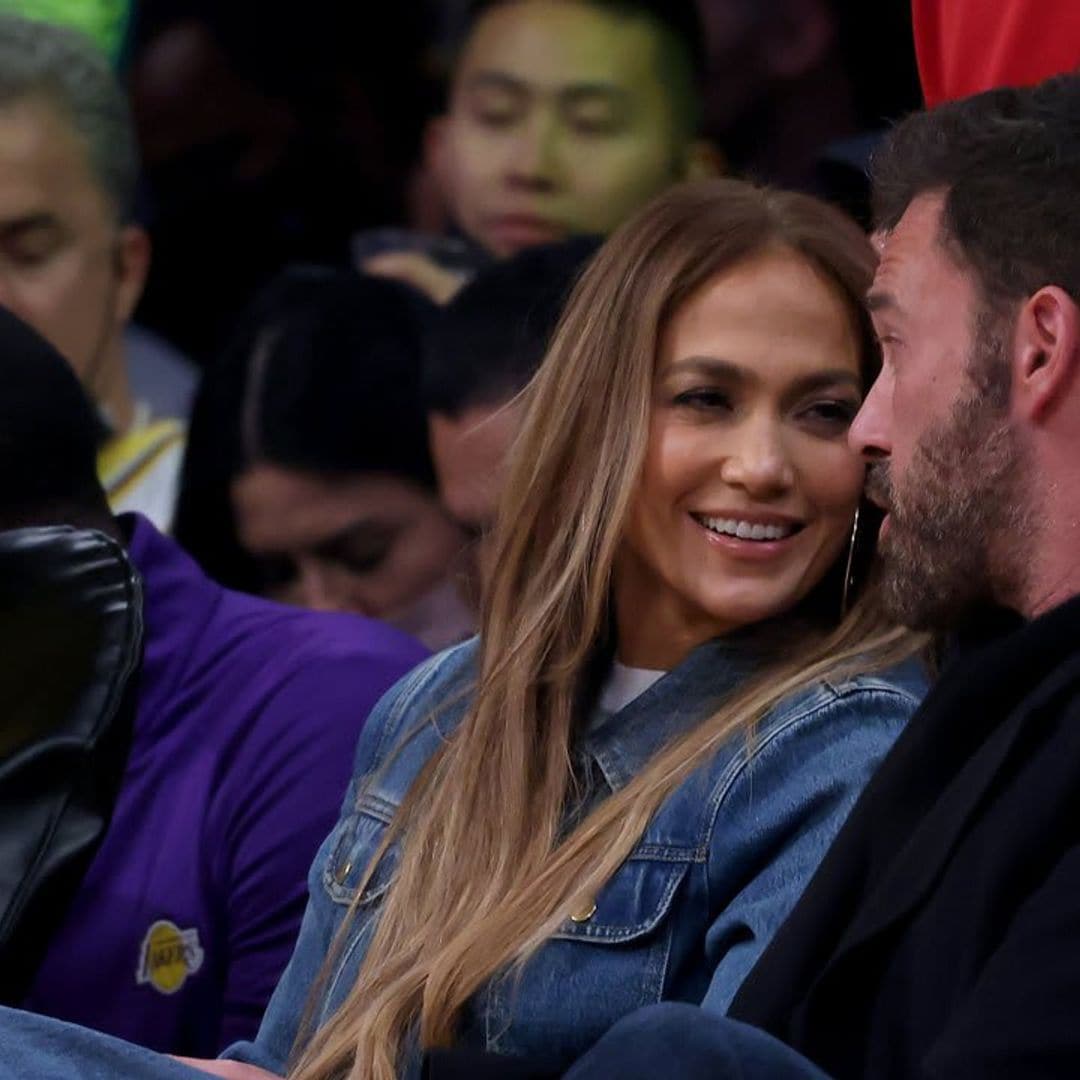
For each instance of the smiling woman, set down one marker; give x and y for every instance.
(748, 490)
(617, 793)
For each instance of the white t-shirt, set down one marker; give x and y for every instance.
(625, 684)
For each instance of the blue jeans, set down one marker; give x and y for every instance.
(692, 1044)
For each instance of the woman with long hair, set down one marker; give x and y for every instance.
(682, 680)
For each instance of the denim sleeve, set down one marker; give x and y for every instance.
(273, 1045)
(40, 1048)
(780, 813)
(693, 1044)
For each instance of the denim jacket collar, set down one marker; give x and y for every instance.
(622, 742)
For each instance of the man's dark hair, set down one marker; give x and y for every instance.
(1008, 164)
(491, 338)
(682, 36)
(48, 437)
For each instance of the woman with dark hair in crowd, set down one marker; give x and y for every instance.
(682, 681)
(308, 476)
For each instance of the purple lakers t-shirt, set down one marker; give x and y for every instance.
(247, 717)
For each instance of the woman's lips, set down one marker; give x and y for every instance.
(749, 549)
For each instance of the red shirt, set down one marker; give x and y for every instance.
(965, 46)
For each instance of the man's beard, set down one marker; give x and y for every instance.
(960, 521)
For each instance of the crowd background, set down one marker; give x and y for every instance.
(272, 134)
(324, 371)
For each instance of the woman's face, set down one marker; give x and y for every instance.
(374, 544)
(749, 488)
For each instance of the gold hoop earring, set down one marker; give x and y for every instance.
(849, 581)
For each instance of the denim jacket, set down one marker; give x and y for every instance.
(684, 918)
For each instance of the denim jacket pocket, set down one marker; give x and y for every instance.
(631, 905)
(608, 958)
(358, 837)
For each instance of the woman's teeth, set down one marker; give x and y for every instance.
(746, 530)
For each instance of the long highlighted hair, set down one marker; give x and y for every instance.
(485, 872)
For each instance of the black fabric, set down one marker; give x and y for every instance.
(49, 431)
(477, 1065)
(70, 644)
(941, 934)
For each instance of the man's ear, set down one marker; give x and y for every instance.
(703, 160)
(132, 266)
(1046, 356)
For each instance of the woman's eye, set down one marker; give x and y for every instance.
(704, 399)
(837, 414)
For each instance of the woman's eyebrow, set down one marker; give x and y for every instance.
(711, 367)
(821, 380)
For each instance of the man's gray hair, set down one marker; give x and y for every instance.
(67, 69)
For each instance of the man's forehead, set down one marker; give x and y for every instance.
(560, 44)
(907, 248)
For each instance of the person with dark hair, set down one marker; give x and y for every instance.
(308, 476)
(564, 117)
(244, 719)
(484, 349)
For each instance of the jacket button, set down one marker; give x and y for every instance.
(584, 913)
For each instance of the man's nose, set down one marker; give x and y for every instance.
(870, 433)
(534, 153)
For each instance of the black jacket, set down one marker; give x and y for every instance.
(940, 937)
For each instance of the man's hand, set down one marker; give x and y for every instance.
(228, 1070)
(418, 270)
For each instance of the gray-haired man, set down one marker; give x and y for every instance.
(72, 263)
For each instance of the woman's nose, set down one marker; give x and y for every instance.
(758, 461)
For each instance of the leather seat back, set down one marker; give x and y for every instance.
(71, 631)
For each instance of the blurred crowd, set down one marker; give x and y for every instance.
(335, 337)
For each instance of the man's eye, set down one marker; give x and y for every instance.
(29, 256)
(595, 125)
(496, 118)
(496, 110)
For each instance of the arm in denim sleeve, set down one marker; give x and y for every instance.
(280, 1026)
(779, 814)
(40, 1048)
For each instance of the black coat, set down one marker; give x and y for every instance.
(940, 937)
